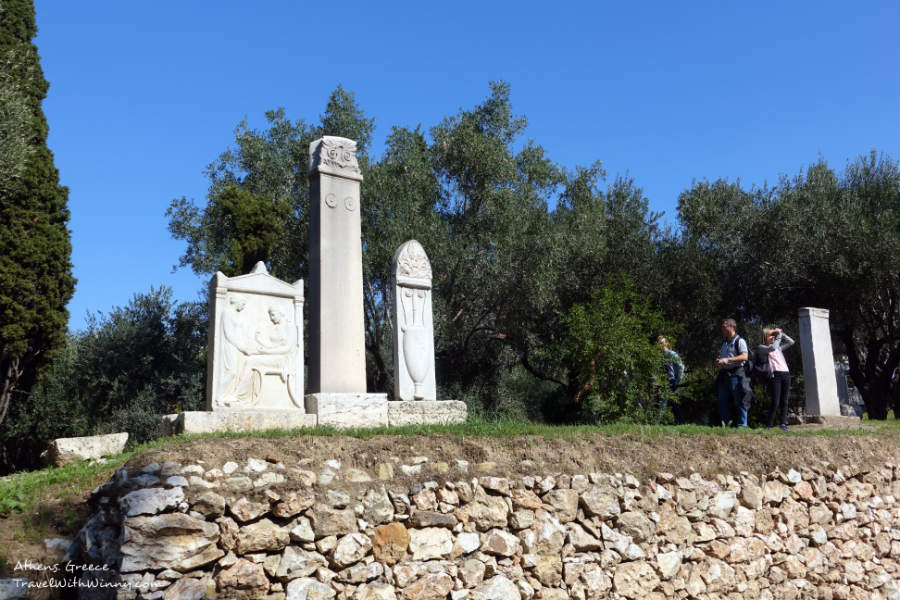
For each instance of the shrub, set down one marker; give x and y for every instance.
(615, 368)
(129, 366)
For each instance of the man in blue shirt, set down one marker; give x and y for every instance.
(730, 381)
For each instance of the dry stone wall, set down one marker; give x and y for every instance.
(432, 531)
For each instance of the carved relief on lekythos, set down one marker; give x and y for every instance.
(255, 342)
(413, 325)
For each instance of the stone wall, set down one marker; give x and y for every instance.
(262, 529)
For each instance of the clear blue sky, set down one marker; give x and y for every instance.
(143, 95)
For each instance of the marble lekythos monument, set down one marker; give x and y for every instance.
(413, 326)
(415, 390)
(255, 356)
(337, 392)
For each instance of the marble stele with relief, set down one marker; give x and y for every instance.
(255, 353)
(414, 377)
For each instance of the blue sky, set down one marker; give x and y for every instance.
(143, 95)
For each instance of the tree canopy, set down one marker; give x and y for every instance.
(36, 279)
(817, 239)
(513, 238)
(518, 243)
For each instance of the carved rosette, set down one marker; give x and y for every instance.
(412, 262)
(334, 156)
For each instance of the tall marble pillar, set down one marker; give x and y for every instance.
(818, 363)
(337, 357)
(337, 361)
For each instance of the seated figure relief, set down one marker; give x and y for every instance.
(253, 349)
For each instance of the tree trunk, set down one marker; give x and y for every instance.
(871, 371)
(10, 379)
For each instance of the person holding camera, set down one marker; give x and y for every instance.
(779, 376)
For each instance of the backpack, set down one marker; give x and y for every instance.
(757, 367)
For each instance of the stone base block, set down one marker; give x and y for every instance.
(426, 412)
(64, 451)
(237, 420)
(348, 409)
(834, 421)
(14, 588)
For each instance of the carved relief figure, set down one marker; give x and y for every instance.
(271, 354)
(247, 360)
(234, 351)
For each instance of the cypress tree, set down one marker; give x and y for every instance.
(36, 279)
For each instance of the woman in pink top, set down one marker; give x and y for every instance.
(780, 378)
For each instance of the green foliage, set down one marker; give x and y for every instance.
(53, 410)
(20, 492)
(142, 425)
(148, 355)
(36, 279)
(817, 239)
(14, 117)
(13, 499)
(251, 224)
(516, 242)
(610, 355)
(121, 374)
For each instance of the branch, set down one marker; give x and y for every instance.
(13, 373)
(540, 374)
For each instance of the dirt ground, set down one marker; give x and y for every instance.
(60, 513)
(640, 455)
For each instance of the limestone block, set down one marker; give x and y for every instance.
(243, 579)
(255, 352)
(565, 503)
(168, 541)
(337, 360)
(361, 573)
(298, 563)
(414, 330)
(430, 543)
(351, 549)
(188, 588)
(327, 521)
(377, 506)
(635, 579)
(430, 587)
(264, 535)
(376, 591)
(426, 412)
(307, 588)
(499, 588)
(390, 543)
(150, 501)
(501, 543)
(64, 451)
(239, 420)
(14, 588)
(818, 363)
(349, 410)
